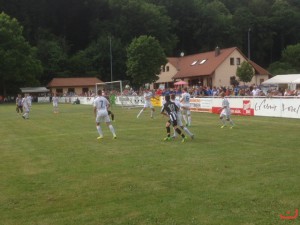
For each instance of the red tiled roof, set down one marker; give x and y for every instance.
(74, 82)
(258, 69)
(186, 69)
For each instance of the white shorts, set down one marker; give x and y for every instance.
(55, 104)
(26, 109)
(102, 116)
(179, 120)
(185, 111)
(225, 113)
(148, 104)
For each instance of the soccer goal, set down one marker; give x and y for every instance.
(109, 88)
(119, 93)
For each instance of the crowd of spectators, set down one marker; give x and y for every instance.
(203, 91)
(195, 91)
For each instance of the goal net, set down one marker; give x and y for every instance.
(119, 93)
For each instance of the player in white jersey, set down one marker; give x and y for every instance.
(19, 105)
(179, 116)
(29, 99)
(147, 98)
(101, 105)
(55, 103)
(225, 112)
(185, 106)
(26, 102)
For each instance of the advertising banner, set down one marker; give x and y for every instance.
(247, 106)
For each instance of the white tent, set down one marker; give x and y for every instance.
(34, 90)
(297, 81)
(283, 79)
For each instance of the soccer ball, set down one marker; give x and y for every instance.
(127, 86)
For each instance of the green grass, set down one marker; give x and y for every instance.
(53, 171)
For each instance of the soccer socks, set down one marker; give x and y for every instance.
(187, 131)
(185, 119)
(179, 132)
(99, 130)
(223, 121)
(168, 131)
(189, 120)
(112, 130)
(26, 115)
(175, 134)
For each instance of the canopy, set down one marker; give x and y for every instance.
(297, 81)
(181, 83)
(34, 90)
(283, 79)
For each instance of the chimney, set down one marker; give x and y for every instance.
(217, 51)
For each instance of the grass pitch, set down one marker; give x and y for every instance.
(53, 171)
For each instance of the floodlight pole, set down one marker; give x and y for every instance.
(111, 72)
(249, 30)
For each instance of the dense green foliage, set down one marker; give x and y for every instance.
(145, 57)
(18, 62)
(290, 61)
(75, 33)
(53, 171)
(245, 72)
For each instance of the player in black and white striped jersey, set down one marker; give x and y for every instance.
(179, 116)
(170, 110)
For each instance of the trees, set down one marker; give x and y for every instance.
(18, 62)
(52, 51)
(291, 55)
(289, 62)
(145, 58)
(245, 72)
(195, 27)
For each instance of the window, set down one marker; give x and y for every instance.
(71, 90)
(202, 61)
(59, 91)
(238, 61)
(231, 61)
(194, 63)
(167, 68)
(163, 68)
(85, 90)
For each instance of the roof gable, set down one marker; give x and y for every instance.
(74, 82)
(206, 63)
(258, 69)
(202, 64)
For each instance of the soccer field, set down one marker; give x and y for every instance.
(53, 170)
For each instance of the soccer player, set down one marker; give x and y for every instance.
(55, 103)
(101, 105)
(26, 102)
(110, 113)
(29, 100)
(179, 116)
(147, 97)
(185, 106)
(170, 109)
(225, 112)
(19, 104)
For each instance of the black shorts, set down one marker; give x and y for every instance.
(173, 119)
